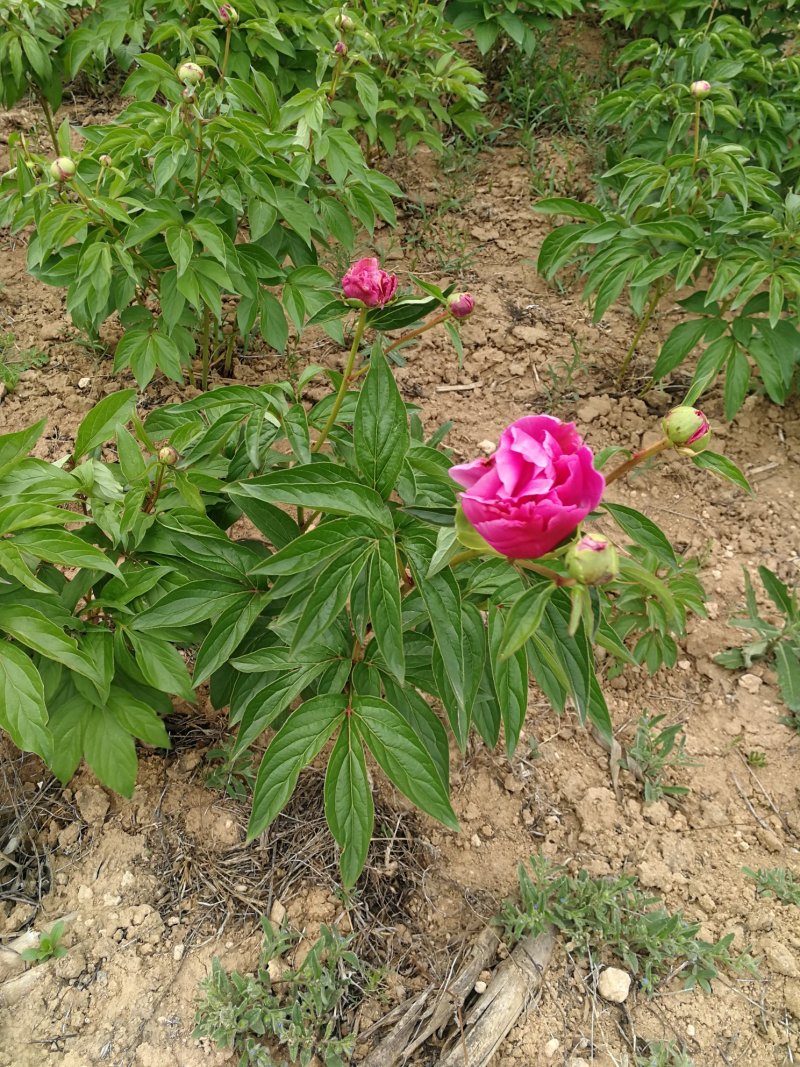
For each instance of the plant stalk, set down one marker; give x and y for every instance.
(419, 330)
(348, 372)
(48, 118)
(650, 309)
(696, 135)
(226, 53)
(637, 458)
(204, 347)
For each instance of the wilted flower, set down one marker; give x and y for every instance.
(168, 456)
(365, 281)
(344, 23)
(340, 49)
(62, 169)
(228, 14)
(700, 89)
(593, 561)
(190, 73)
(534, 490)
(687, 428)
(461, 305)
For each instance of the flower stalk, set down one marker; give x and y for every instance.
(345, 382)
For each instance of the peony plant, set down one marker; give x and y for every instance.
(374, 582)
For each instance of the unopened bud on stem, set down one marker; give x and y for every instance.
(167, 456)
(593, 561)
(700, 90)
(343, 23)
(228, 14)
(190, 73)
(62, 169)
(340, 49)
(687, 428)
(461, 305)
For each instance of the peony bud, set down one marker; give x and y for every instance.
(105, 161)
(167, 456)
(344, 23)
(700, 89)
(461, 305)
(687, 428)
(593, 561)
(228, 14)
(62, 169)
(190, 73)
(340, 49)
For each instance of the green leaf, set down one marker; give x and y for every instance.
(101, 424)
(66, 725)
(524, 618)
(137, 718)
(642, 531)
(385, 606)
(403, 757)
(270, 701)
(562, 205)
(348, 802)
(65, 549)
(23, 714)
(317, 546)
(161, 664)
(225, 636)
(109, 750)
(724, 467)
(30, 627)
(510, 677)
(778, 592)
(737, 382)
(14, 447)
(788, 667)
(321, 486)
(191, 603)
(678, 345)
(443, 603)
(329, 594)
(299, 740)
(380, 429)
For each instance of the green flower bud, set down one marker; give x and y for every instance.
(105, 161)
(167, 456)
(344, 23)
(593, 561)
(687, 428)
(62, 169)
(190, 73)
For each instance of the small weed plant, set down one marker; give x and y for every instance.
(776, 643)
(301, 1013)
(49, 946)
(662, 1054)
(776, 882)
(613, 917)
(657, 749)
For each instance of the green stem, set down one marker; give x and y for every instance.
(696, 135)
(229, 355)
(204, 347)
(154, 495)
(462, 557)
(199, 172)
(348, 370)
(48, 118)
(651, 307)
(420, 329)
(226, 53)
(637, 458)
(557, 579)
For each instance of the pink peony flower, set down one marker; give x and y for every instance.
(365, 281)
(340, 49)
(534, 490)
(461, 305)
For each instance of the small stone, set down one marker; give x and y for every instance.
(614, 985)
(551, 1048)
(51, 331)
(770, 840)
(475, 841)
(750, 682)
(177, 952)
(277, 914)
(84, 383)
(518, 369)
(691, 1030)
(69, 835)
(480, 987)
(487, 446)
(85, 894)
(791, 997)
(512, 784)
(112, 900)
(779, 958)
(594, 409)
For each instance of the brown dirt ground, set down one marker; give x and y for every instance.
(153, 888)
